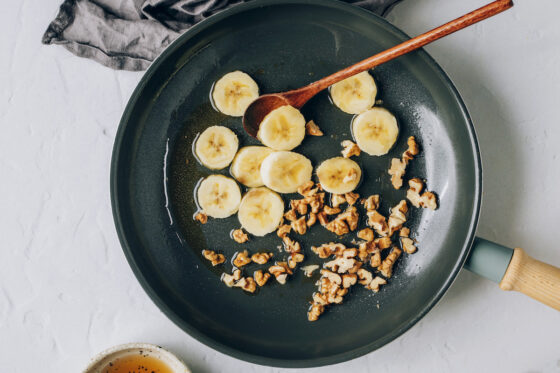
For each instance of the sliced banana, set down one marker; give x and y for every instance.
(284, 171)
(218, 196)
(246, 166)
(216, 147)
(282, 129)
(339, 175)
(261, 211)
(234, 92)
(356, 94)
(375, 131)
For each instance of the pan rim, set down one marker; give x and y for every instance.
(193, 331)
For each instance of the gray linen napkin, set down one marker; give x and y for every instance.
(129, 34)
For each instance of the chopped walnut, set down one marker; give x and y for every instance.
(407, 245)
(351, 198)
(291, 215)
(397, 170)
(261, 258)
(261, 277)
(375, 260)
(404, 232)
(371, 203)
(412, 150)
(239, 236)
(340, 264)
(213, 257)
(320, 298)
(309, 269)
(328, 249)
(242, 258)
(312, 219)
(338, 226)
(229, 280)
(376, 282)
(351, 217)
(294, 259)
(365, 277)
(349, 279)
(363, 251)
(290, 245)
(322, 217)
(350, 149)
(351, 176)
(383, 243)
(349, 253)
(313, 129)
(426, 199)
(300, 205)
(315, 311)
(307, 190)
(331, 276)
(366, 234)
(283, 230)
(300, 226)
(279, 271)
(397, 217)
(248, 284)
(337, 200)
(330, 211)
(386, 267)
(378, 222)
(201, 217)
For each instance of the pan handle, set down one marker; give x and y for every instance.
(515, 270)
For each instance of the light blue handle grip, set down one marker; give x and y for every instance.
(488, 259)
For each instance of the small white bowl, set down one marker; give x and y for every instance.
(101, 360)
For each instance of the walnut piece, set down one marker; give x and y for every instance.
(330, 210)
(371, 203)
(378, 222)
(261, 277)
(241, 258)
(283, 230)
(213, 257)
(291, 215)
(261, 258)
(412, 150)
(294, 259)
(328, 249)
(300, 226)
(407, 245)
(299, 205)
(386, 267)
(350, 149)
(280, 271)
(248, 284)
(366, 279)
(307, 190)
(315, 311)
(313, 129)
(397, 217)
(312, 219)
(201, 217)
(397, 170)
(349, 279)
(340, 264)
(239, 236)
(322, 217)
(376, 282)
(351, 198)
(383, 243)
(366, 234)
(337, 200)
(426, 199)
(291, 246)
(309, 269)
(375, 260)
(338, 227)
(404, 232)
(351, 217)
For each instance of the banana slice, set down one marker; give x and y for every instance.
(339, 175)
(282, 129)
(356, 94)
(218, 196)
(246, 166)
(375, 131)
(284, 171)
(216, 147)
(261, 211)
(234, 92)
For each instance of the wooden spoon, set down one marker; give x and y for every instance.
(256, 112)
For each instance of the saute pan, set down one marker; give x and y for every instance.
(285, 45)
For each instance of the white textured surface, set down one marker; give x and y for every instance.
(66, 291)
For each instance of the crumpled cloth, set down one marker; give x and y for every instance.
(130, 34)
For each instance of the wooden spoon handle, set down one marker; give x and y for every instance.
(534, 278)
(398, 50)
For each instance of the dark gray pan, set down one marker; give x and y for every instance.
(284, 45)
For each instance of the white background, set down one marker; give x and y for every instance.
(66, 291)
